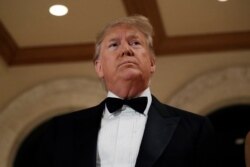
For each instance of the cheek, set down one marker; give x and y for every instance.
(108, 65)
(149, 66)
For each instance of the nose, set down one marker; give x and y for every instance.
(127, 51)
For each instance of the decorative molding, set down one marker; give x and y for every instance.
(164, 44)
(213, 90)
(54, 54)
(8, 46)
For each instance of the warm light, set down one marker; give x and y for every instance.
(222, 0)
(239, 141)
(58, 10)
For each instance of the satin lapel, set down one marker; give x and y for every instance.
(158, 132)
(87, 129)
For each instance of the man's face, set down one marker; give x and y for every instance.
(124, 56)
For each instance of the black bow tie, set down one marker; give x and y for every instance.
(138, 104)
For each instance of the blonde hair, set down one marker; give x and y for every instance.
(140, 22)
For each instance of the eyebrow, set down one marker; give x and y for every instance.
(113, 39)
(132, 36)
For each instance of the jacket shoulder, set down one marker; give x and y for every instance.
(171, 111)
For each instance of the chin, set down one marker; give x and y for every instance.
(132, 75)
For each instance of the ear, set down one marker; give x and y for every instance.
(153, 66)
(98, 68)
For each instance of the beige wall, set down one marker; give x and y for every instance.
(172, 73)
(197, 82)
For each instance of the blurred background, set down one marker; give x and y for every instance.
(46, 69)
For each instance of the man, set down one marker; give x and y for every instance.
(113, 134)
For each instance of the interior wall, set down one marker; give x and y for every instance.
(172, 72)
(30, 94)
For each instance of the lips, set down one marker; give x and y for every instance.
(127, 62)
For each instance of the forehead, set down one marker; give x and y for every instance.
(123, 30)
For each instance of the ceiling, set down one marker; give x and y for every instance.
(30, 35)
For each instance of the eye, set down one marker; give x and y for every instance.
(113, 44)
(135, 43)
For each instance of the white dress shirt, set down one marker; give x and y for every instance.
(120, 135)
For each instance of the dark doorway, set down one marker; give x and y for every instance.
(231, 126)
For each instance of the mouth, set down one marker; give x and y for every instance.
(128, 63)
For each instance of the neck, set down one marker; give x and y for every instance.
(127, 90)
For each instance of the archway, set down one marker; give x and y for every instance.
(40, 103)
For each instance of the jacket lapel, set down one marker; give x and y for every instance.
(87, 129)
(159, 129)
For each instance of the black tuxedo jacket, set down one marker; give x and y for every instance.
(172, 138)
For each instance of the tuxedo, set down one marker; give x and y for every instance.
(172, 138)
